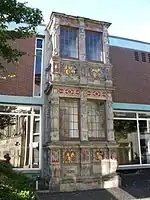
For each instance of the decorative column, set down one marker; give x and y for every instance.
(55, 60)
(109, 115)
(82, 40)
(54, 100)
(83, 116)
(55, 33)
(106, 46)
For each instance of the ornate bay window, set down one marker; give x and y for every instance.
(69, 118)
(96, 119)
(20, 131)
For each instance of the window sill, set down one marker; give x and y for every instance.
(24, 170)
(69, 58)
(97, 139)
(69, 139)
(95, 61)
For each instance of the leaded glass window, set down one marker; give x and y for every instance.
(68, 42)
(93, 46)
(96, 119)
(69, 126)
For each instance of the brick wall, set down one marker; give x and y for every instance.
(22, 84)
(131, 77)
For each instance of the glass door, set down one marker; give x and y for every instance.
(144, 140)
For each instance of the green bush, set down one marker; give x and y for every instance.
(14, 185)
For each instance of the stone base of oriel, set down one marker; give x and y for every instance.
(83, 167)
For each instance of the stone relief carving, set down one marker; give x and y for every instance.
(99, 155)
(70, 156)
(70, 70)
(97, 73)
(93, 26)
(85, 155)
(69, 22)
(55, 156)
(86, 170)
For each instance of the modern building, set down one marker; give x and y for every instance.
(79, 110)
(21, 106)
(131, 101)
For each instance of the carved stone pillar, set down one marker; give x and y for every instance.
(106, 46)
(83, 117)
(54, 116)
(109, 114)
(55, 33)
(81, 41)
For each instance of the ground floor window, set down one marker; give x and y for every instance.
(69, 118)
(132, 134)
(20, 131)
(96, 119)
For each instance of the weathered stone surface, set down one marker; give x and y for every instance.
(81, 163)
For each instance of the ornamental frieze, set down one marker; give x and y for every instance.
(69, 91)
(97, 94)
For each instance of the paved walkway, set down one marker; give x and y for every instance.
(102, 194)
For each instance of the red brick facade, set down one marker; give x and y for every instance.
(131, 77)
(22, 84)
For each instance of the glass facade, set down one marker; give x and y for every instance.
(20, 131)
(132, 134)
(38, 66)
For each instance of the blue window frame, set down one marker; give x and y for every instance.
(68, 42)
(38, 59)
(39, 43)
(93, 46)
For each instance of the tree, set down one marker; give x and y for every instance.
(15, 185)
(27, 18)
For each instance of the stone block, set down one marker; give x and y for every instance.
(97, 168)
(112, 183)
(105, 167)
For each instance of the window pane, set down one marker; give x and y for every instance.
(127, 139)
(36, 125)
(144, 142)
(68, 42)
(124, 115)
(96, 121)
(39, 43)
(38, 61)
(16, 136)
(93, 46)
(35, 163)
(69, 118)
(144, 115)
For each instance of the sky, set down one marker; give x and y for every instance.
(129, 18)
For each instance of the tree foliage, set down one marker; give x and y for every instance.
(14, 185)
(27, 18)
